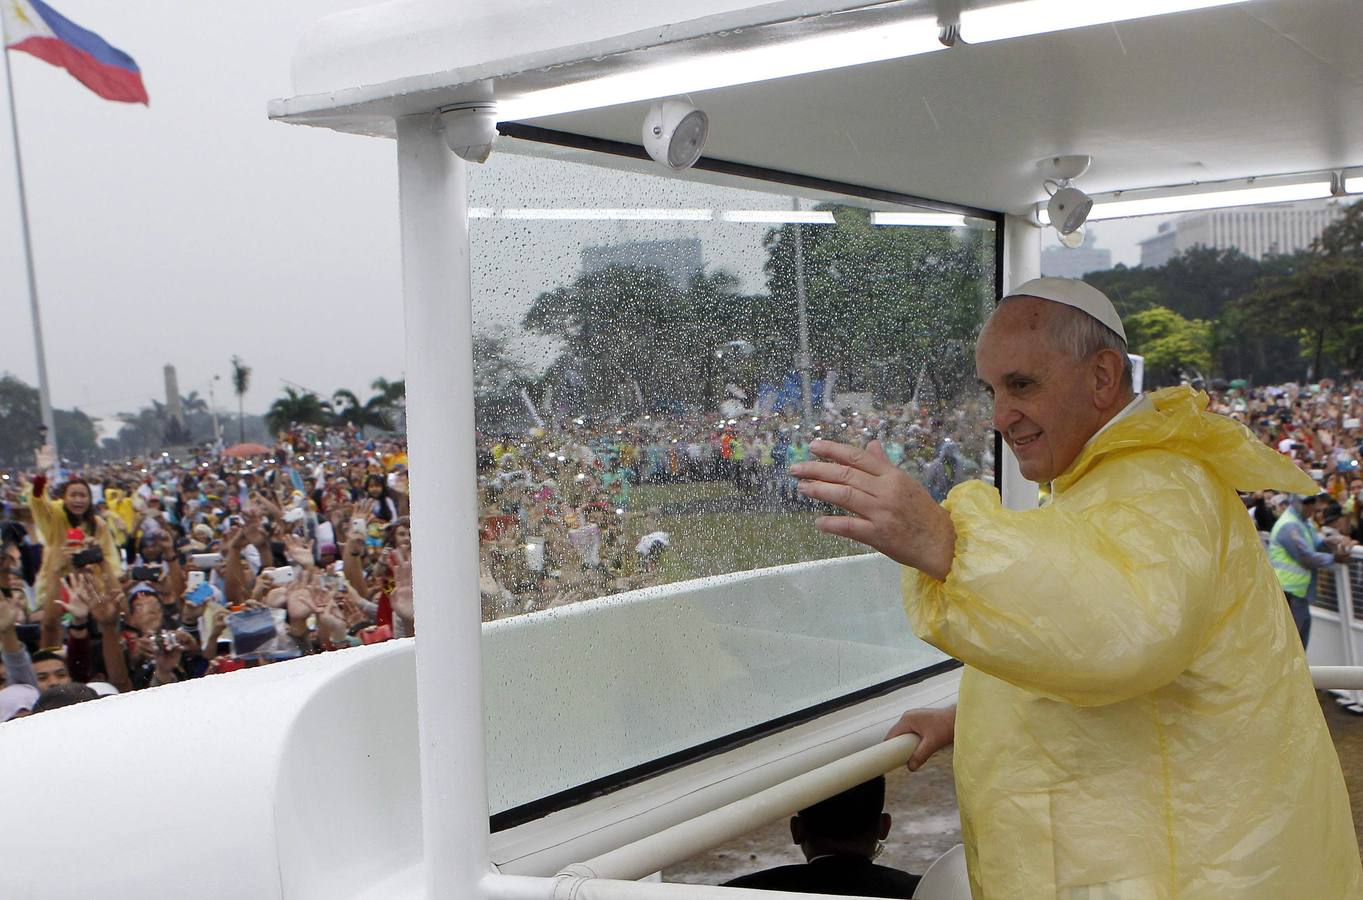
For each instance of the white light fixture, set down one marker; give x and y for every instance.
(778, 216)
(1353, 185)
(1011, 20)
(470, 129)
(735, 216)
(1072, 239)
(674, 133)
(1117, 208)
(922, 220)
(1068, 208)
(640, 215)
(707, 71)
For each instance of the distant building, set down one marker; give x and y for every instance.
(679, 258)
(1064, 262)
(1256, 231)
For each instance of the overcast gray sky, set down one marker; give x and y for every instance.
(196, 229)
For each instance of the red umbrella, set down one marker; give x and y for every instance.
(245, 450)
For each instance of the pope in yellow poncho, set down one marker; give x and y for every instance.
(1136, 719)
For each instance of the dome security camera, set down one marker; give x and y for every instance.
(470, 129)
(1069, 208)
(674, 133)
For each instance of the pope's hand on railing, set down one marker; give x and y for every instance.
(936, 728)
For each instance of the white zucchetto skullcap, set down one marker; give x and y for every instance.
(1075, 293)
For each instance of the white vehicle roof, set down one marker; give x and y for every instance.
(1261, 88)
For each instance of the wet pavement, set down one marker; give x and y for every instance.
(923, 807)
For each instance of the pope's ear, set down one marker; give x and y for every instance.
(1108, 365)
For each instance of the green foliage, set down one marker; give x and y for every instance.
(1317, 297)
(1206, 283)
(296, 408)
(21, 416)
(883, 305)
(241, 376)
(77, 437)
(347, 408)
(1170, 343)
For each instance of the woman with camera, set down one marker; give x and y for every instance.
(73, 536)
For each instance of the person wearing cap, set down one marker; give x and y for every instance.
(1136, 717)
(17, 701)
(1298, 550)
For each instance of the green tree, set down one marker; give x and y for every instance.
(1315, 296)
(241, 382)
(391, 397)
(76, 435)
(19, 420)
(884, 304)
(296, 408)
(347, 408)
(617, 326)
(1170, 343)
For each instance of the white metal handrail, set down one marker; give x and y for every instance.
(564, 887)
(1337, 678)
(719, 826)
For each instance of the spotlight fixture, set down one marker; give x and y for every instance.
(1068, 207)
(674, 132)
(1072, 239)
(470, 129)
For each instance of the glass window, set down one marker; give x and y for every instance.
(651, 355)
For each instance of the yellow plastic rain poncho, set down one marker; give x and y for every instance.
(1136, 715)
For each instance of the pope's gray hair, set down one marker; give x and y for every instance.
(1079, 335)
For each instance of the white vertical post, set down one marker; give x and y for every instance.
(1021, 262)
(437, 302)
(1344, 594)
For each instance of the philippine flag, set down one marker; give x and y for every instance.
(34, 27)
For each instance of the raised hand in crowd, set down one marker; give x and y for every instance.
(299, 551)
(402, 596)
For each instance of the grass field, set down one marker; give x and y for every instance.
(719, 535)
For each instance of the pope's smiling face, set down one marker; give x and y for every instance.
(1047, 404)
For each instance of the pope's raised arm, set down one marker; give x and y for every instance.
(892, 513)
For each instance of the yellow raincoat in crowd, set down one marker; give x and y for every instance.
(1136, 717)
(51, 523)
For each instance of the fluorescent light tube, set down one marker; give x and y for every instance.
(1354, 185)
(1148, 206)
(1010, 20)
(703, 72)
(777, 216)
(644, 215)
(937, 220)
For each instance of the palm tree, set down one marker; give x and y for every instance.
(296, 408)
(391, 399)
(241, 380)
(348, 408)
(192, 403)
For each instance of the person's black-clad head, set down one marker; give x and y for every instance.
(68, 694)
(850, 823)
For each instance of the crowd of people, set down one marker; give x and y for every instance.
(153, 570)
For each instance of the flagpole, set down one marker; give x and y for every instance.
(44, 394)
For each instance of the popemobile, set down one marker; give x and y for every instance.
(571, 753)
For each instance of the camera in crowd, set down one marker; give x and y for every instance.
(88, 557)
(150, 572)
